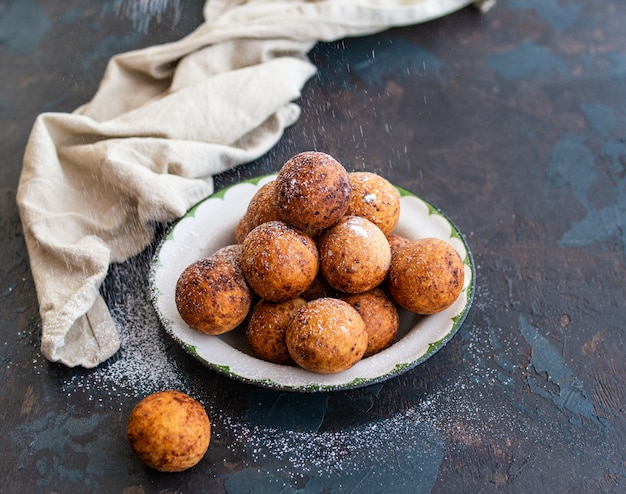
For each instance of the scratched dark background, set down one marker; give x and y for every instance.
(513, 123)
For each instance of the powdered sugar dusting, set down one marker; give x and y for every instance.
(321, 453)
(446, 410)
(358, 230)
(369, 198)
(144, 363)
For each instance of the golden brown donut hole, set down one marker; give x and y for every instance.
(267, 327)
(318, 289)
(231, 253)
(279, 262)
(396, 242)
(380, 316)
(354, 255)
(375, 198)
(426, 276)
(169, 431)
(312, 191)
(326, 336)
(261, 209)
(212, 295)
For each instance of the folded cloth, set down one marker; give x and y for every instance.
(164, 120)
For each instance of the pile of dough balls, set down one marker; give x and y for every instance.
(316, 272)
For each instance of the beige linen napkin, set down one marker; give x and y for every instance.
(163, 122)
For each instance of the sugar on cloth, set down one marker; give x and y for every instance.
(164, 120)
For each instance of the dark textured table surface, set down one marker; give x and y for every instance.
(513, 123)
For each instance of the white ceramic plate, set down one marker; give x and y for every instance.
(210, 225)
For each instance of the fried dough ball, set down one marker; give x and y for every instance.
(396, 242)
(279, 261)
(326, 335)
(373, 197)
(169, 431)
(426, 276)
(231, 253)
(380, 316)
(212, 295)
(354, 255)
(318, 289)
(261, 209)
(267, 327)
(242, 229)
(312, 191)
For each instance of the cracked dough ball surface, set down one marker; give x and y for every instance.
(169, 431)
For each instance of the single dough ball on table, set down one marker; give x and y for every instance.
(169, 431)
(261, 209)
(312, 191)
(212, 295)
(380, 316)
(374, 198)
(326, 335)
(426, 276)
(267, 327)
(354, 255)
(279, 261)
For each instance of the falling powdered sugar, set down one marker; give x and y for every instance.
(144, 363)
